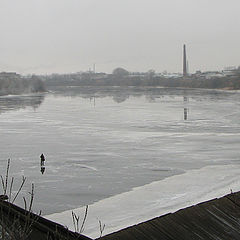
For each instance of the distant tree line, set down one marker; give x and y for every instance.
(194, 82)
(12, 83)
(121, 77)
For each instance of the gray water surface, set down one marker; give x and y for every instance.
(102, 141)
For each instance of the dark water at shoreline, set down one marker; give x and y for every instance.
(99, 142)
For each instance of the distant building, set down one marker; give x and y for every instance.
(172, 75)
(9, 74)
(231, 71)
(208, 74)
(212, 74)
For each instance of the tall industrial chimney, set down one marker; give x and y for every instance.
(184, 61)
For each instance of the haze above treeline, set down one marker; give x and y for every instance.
(59, 36)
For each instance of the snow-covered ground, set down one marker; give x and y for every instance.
(155, 199)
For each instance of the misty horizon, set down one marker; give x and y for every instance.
(70, 36)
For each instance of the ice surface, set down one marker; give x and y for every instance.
(155, 199)
(101, 142)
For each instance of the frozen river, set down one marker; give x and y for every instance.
(102, 142)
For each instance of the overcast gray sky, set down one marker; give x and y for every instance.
(45, 36)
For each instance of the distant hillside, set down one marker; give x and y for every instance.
(12, 83)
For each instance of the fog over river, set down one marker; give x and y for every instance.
(100, 142)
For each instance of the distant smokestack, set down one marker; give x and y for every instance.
(184, 61)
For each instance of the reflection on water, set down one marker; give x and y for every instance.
(9, 103)
(42, 163)
(121, 94)
(42, 170)
(185, 110)
(118, 98)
